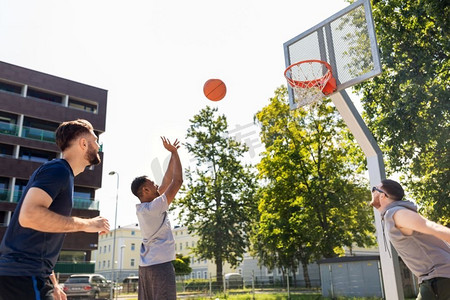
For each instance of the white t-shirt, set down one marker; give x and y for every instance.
(158, 245)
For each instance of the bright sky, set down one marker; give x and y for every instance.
(153, 58)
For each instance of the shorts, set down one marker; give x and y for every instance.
(25, 288)
(157, 282)
(434, 289)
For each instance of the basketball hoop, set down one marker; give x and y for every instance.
(311, 80)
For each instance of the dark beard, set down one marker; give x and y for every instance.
(92, 156)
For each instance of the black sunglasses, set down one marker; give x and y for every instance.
(377, 189)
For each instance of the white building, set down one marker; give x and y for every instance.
(126, 262)
(128, 242)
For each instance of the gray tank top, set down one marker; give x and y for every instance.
(425, 255)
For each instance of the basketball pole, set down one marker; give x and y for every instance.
(390, 268)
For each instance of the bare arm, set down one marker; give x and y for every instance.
(174, 172)
(408, 221)
(35, 214)
(168, 176)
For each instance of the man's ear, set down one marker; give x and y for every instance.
(83, 143)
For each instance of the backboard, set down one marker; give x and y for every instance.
(346, 41)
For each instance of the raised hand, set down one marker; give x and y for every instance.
(169, 146)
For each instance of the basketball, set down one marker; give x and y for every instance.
(214, 89)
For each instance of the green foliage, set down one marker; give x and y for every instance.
(182, 264)
(217, 203)
(407, 106)
(314, 200)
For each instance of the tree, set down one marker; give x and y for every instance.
(314, 200)
(182, 264)
(407, 106)
(217, 203)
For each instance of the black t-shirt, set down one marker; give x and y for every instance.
(28, 252)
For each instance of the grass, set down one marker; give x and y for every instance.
(279, 296)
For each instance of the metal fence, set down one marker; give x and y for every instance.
(249, 284)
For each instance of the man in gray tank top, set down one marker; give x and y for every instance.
(422, 244)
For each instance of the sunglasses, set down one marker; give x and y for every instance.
(378, 190)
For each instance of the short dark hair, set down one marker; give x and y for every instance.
(69, 131)
(393, 189)
(137, 184)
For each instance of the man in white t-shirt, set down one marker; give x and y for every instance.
(156, 271)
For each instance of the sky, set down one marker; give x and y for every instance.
(153, 57)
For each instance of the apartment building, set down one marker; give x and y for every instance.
(127, 244)
(32, 105)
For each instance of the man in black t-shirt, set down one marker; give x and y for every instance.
(35, 234)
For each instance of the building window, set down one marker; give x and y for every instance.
(132, 262)
(175, 247)
(8, 124)
(133, 232)
(41, 95)
(133, 246)
(104, 249)
(199, 275)
(82, 105)
(104, 263)
(193, 243)
(19, 187)
(4, 189)
(187, 245)
(5, 149)
(10, 88)
(205, 275)
(109, 248)
(36, 155)
(109, 263)
(181, 246)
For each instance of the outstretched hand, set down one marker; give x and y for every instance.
(169, 146)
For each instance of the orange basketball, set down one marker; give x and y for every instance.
(214, 89)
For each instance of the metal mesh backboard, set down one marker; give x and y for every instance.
(345, 40)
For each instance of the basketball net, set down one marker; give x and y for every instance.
(311, 80)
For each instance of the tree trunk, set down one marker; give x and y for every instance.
(219, 274)
(306, 274)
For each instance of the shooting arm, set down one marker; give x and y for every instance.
(177, 178)
(35, 214)
(168, 176)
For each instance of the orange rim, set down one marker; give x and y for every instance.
(318, 82)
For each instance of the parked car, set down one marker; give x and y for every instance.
(87, 286)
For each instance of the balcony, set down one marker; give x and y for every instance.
(83, 203)
(28, 132)
(38, 134)
(9, 129)
(80, 203)
(5, 194)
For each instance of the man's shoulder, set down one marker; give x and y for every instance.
(155, 204)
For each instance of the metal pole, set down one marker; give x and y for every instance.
(253, 284)
(287, 281)
(114, 236)
(393, 288)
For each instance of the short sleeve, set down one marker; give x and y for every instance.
(160, 204)
(52, 179)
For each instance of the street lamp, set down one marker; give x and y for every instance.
(121, 263)
(114, 235)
